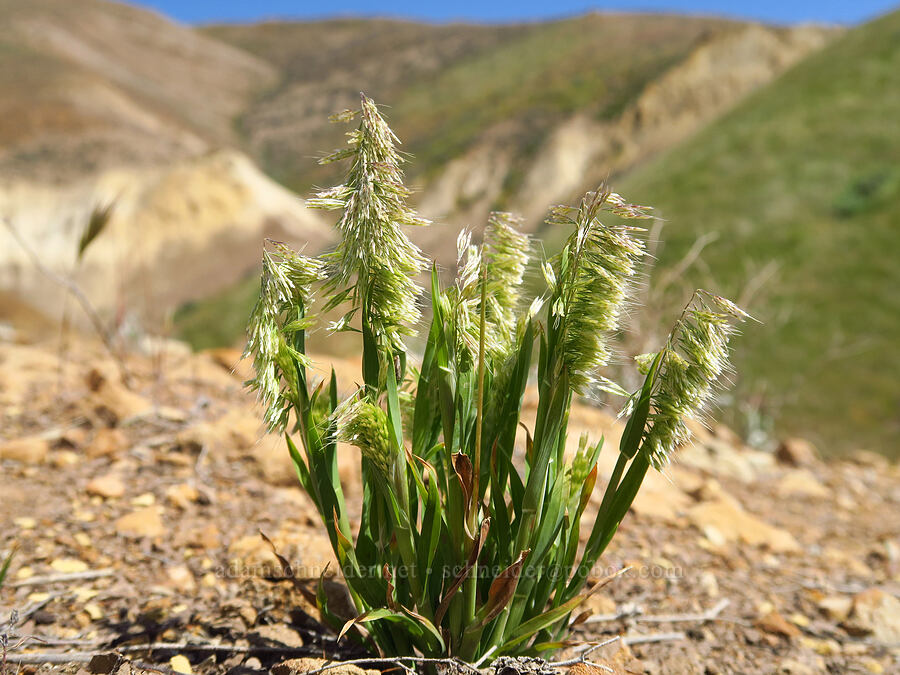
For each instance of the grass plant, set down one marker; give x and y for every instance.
(463, 547)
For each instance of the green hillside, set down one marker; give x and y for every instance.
(447, 86)
(806, 173)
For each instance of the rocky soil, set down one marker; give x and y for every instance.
(135, 514)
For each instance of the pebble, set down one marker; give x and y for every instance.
(64, 459)
(141, 523)
(776, 624)
(28, 450)
(145, 499)
(796, 452)
(106, 442)
(109, 486)
(180, 664)
(875, 613)
(68, 565)
(93, 610)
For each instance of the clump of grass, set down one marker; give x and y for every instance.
(4, 566)
(461, 549)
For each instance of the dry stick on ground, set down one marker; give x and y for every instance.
(85, 657)
(61, 578)
(652, 637)
(583, 657)
(83, 300)
(709, 615)
(37, 658)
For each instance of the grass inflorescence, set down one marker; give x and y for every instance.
(461, 548)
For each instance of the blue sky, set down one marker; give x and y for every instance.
(780, 11)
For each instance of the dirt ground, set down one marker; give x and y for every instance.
(136, 516)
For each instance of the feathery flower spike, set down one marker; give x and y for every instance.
(279, 313)
(696, 358)
(375, 260)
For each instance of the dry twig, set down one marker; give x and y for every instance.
(62, 578)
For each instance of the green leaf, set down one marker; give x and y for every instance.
(634, 429)
(393, 408)
(302, 471)
(417, 625)
(97, 222)
(4, 569)
(538, 623)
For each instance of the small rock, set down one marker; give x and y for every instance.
(794, 667)
(205, 538)
(113, 401)
(801, 483)
(64, 459)
(93, 610)
(850, 563)
(709, 584)
(588, 669)
(869, 459)
(875, 613)
(797, 452)
(68, 565)
(141, 523)
(727, 518)
(600, 603)
(105, 664)
(171, 414)
(242, 608)
(182, 495)
(182, 579)
(872, 666)
(800, 620)
(836, 607)
(180, 664)
(776, 624)
(43, 617)
(251, 551)
(300, 666)
(720, 458)
(28, 450)
(277, 633)
(236, 430)
(274, 462)
(826, 647)
(106, 442)
(73, 437)
(660, 500)
(145, 499)
(109, 486)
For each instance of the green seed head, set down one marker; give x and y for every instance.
(365, 425)
(695, 359)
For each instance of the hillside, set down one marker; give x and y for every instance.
(101, 100)
(515, 117)
(176, 234)
(805, 173)
(94, 85)
(482, 108)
